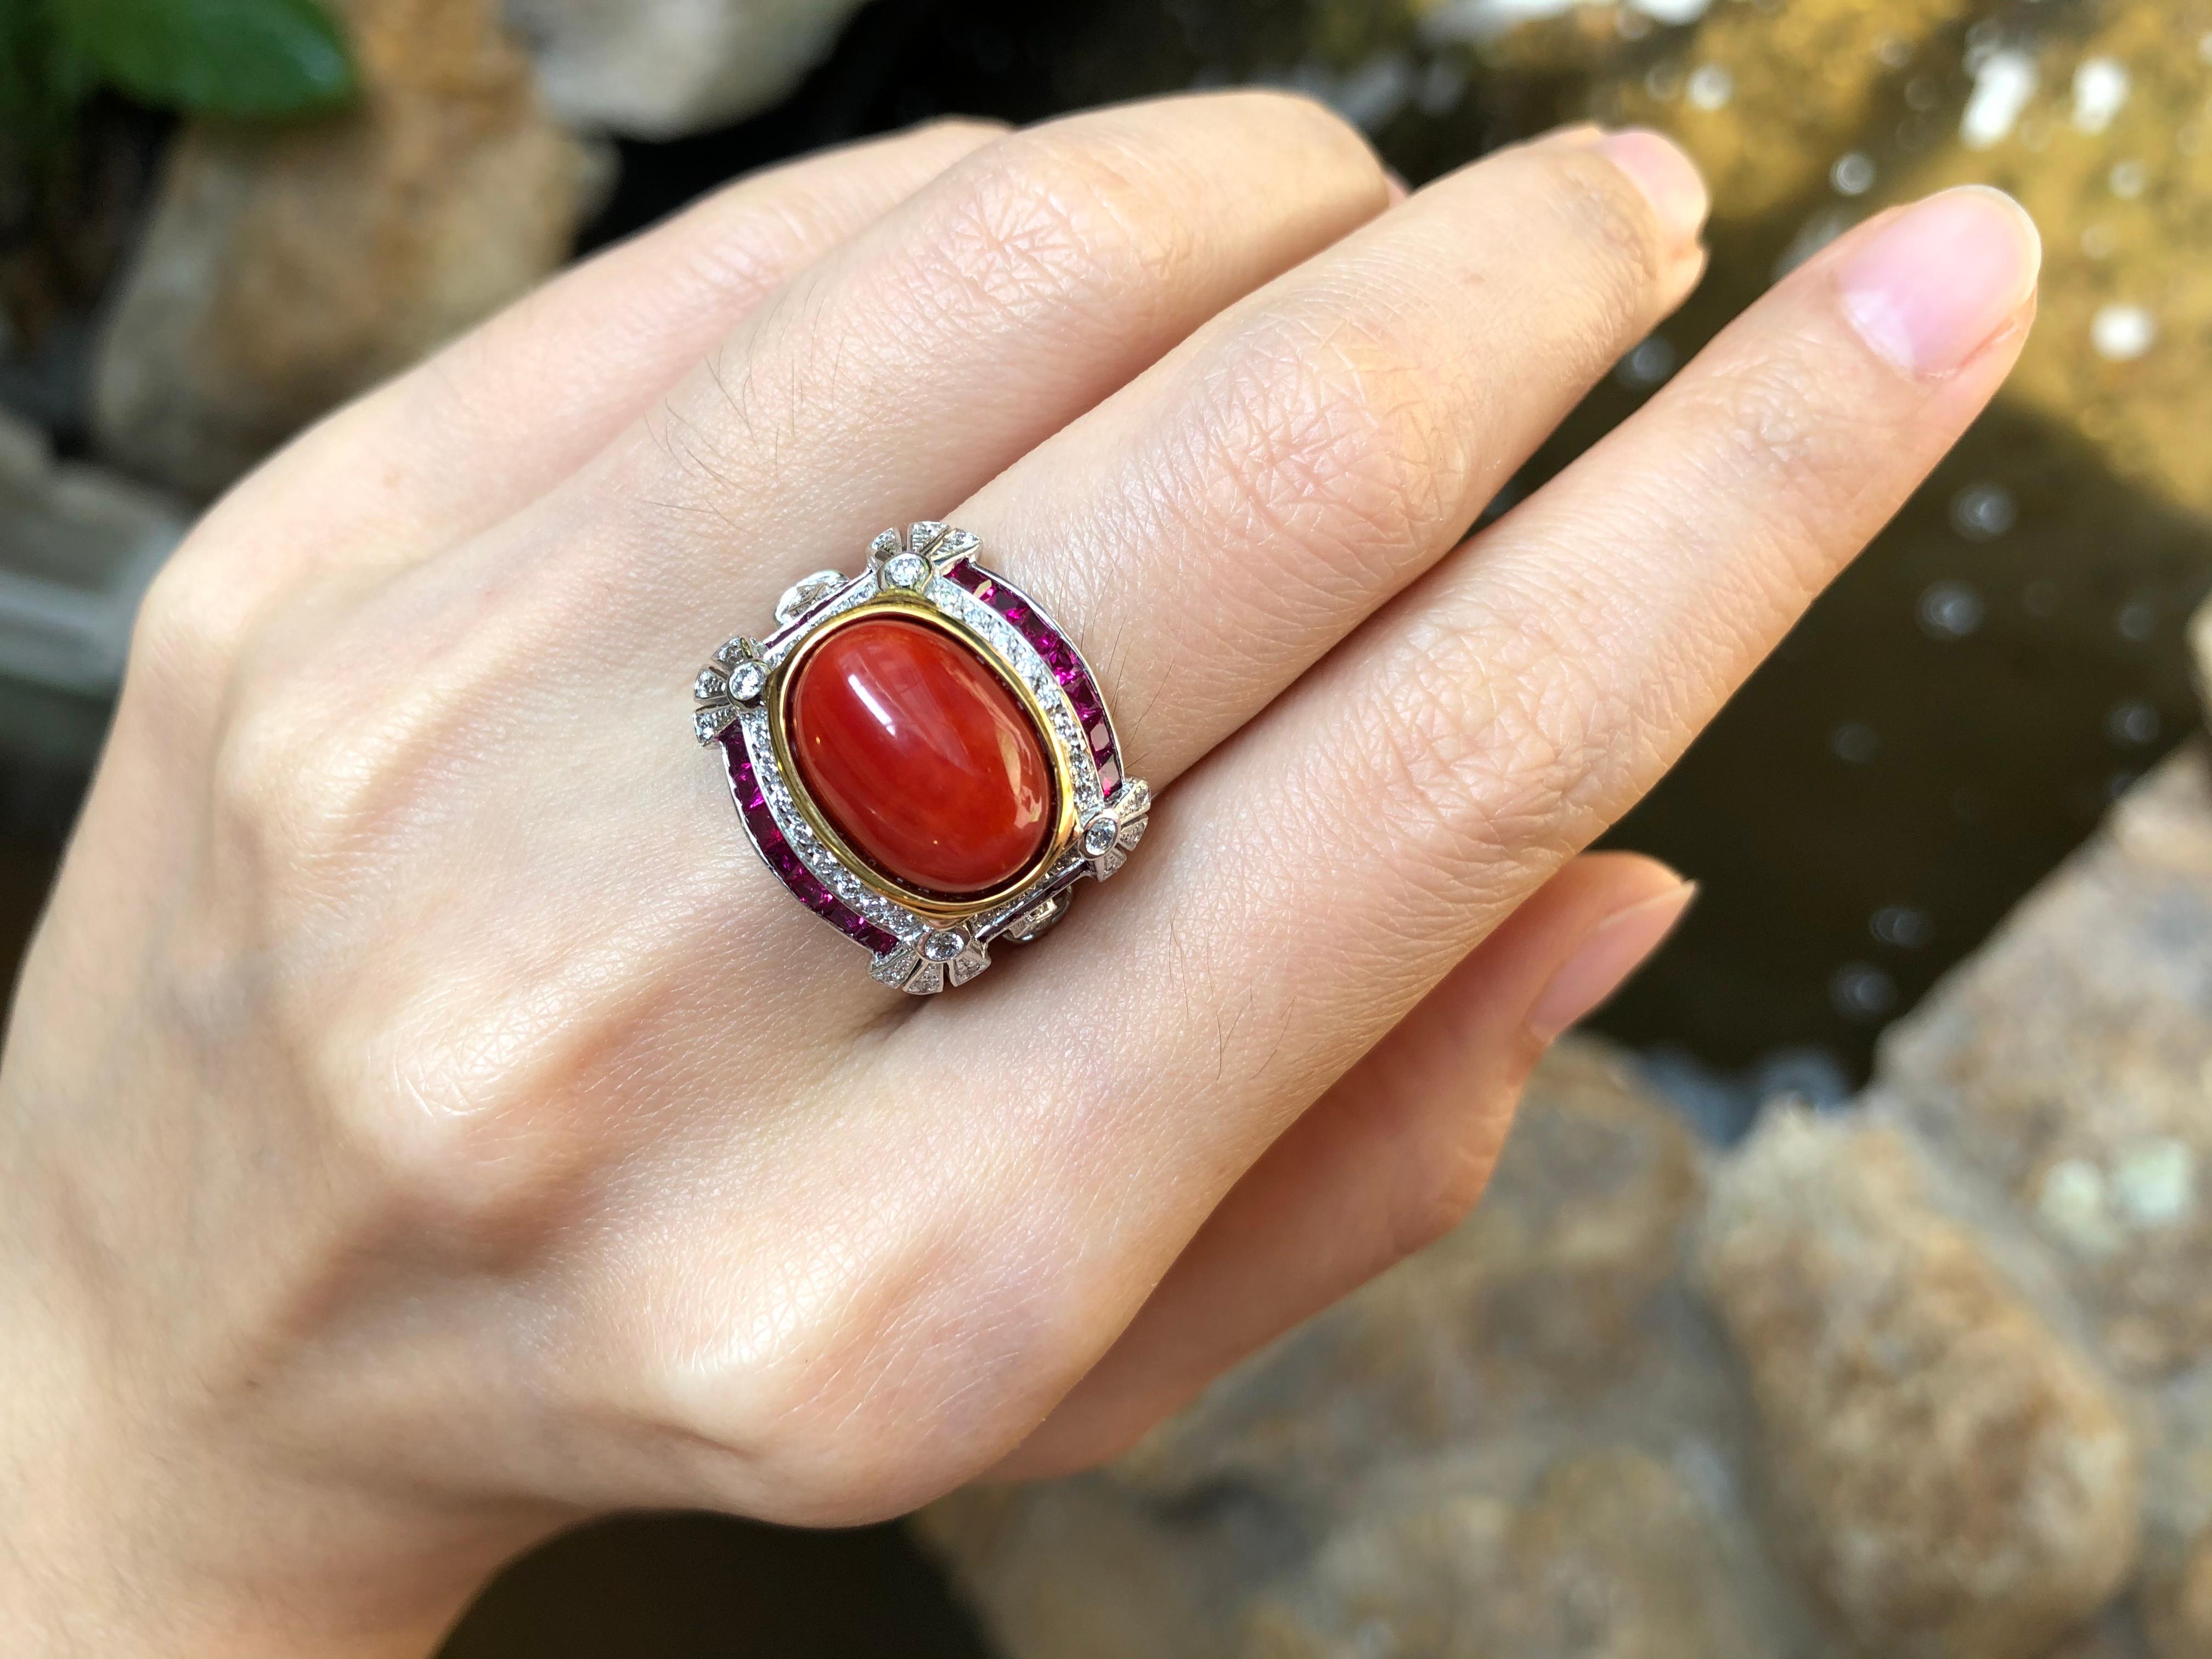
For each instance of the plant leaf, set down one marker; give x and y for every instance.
(244, 58)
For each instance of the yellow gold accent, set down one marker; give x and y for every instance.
(912, 607)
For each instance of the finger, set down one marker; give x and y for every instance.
(1224, 521)
(521, 401)
(1031, 281)
(1388, 1160)
(1358, 841)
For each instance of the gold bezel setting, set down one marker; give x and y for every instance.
(936, 907)
(922, 942)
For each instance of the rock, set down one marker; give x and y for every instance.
(1611, 1555)
(1075, 1570)
(2177, 1589)
(287, 269)
(1409, 1579)
(1955, 1479)
(1533, 1304)
(2063, 1071)
(660, 69)
(1524, 1438)
(2180, 1610)
(78, 546)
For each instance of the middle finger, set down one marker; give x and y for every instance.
(1212, 531)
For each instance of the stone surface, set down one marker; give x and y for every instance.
(1525, 1440)
(1535, 1304)
(286, 269)
(77, 547)
(2064, 1071)
(1956, 1480)
(660, 69)
(2180, 1610)
(921, 757)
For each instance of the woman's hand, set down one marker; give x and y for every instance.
(425, 1120)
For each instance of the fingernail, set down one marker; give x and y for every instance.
(1616, 948)
(1933, 286)
(1669, 179)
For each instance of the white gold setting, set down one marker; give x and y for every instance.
(917, 947)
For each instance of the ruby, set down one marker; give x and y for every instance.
(922, 757)
(805, 884)
(1060, 656)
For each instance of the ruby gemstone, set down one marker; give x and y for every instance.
(921, 757)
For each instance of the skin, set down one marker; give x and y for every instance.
(425, 1124)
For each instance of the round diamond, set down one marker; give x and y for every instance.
(1098, 840)
(747, 680)
(907, 570)
(942, 947)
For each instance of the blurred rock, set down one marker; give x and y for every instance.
(1534, 1304)
(2064, 1069)
(1077, 1570)
(78, 546)
(2180, 1610)
(661, 68)
(287, 269)
(1611, 1555)
(1956, 1480)
(1525, 1440)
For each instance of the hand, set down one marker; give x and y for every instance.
(425, 1122)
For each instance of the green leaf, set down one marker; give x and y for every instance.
(43, 79)
(244, 58)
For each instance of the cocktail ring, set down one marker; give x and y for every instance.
(922, 757)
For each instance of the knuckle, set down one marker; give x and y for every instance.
(1489, 741)
(1052, 214)
(1304, 120)
(1337, 448)
(491, 1183)
(189, 629)
(1615, 226)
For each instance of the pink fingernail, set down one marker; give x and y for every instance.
(1936, 284)
(1618, 946)
(1669, 179)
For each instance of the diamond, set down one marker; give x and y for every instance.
(942, 947)
(908, 570)
(747, 680)
(1098, 840)
(802, 596)
(708, 686)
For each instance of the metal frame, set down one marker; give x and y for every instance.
(922, 943)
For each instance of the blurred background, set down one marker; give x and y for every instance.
(212, 231)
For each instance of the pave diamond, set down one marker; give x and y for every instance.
(708, 686)
(747, 680)
(802, 596)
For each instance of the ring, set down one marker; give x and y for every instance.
(922, 757)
